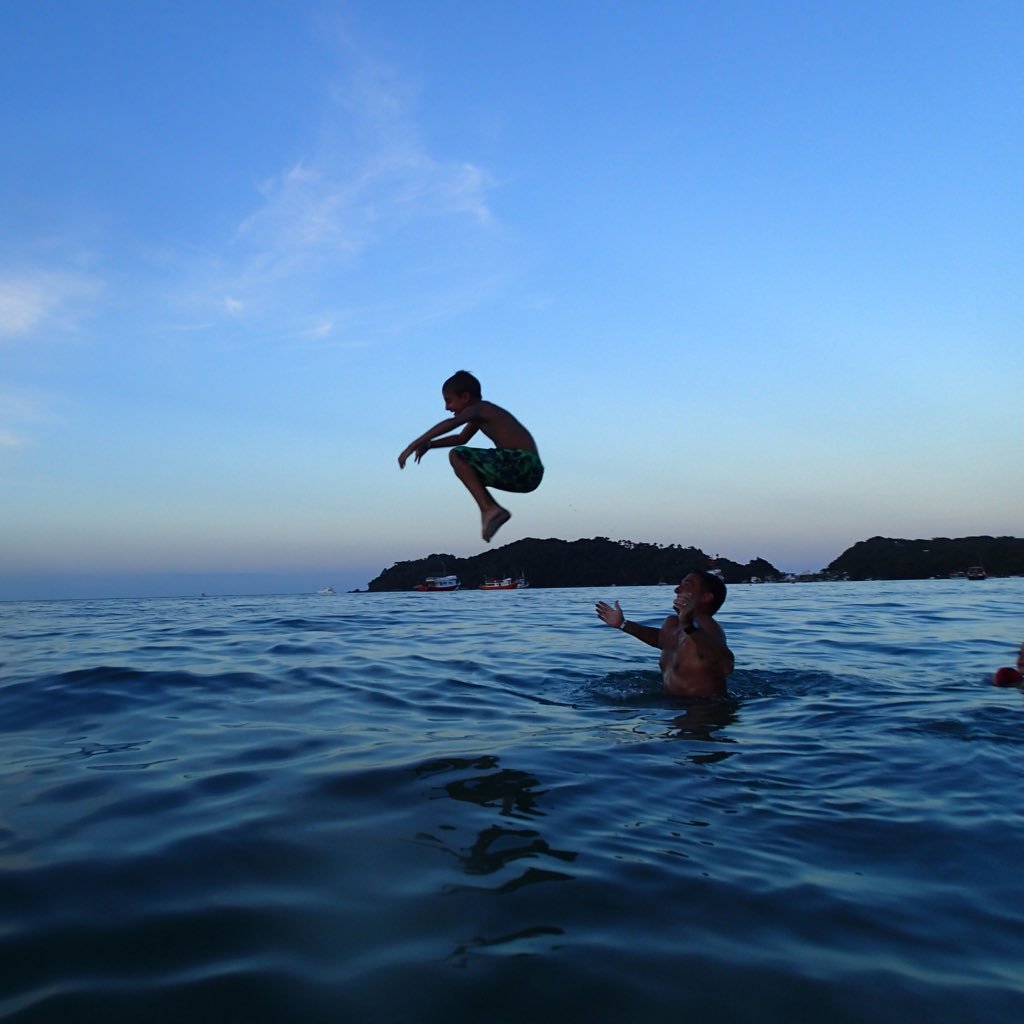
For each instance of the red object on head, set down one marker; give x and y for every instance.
(1007, 677)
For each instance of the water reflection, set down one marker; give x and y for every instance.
(514, 791)
(496, 847)
(702, 721)
(518, 943)
(499, 851)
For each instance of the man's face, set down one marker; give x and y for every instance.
(688, 594)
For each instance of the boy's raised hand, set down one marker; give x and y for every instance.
(419, 450)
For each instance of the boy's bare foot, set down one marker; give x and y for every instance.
(494, 522)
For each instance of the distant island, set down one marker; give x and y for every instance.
(885, 558)
(601, 562)
(598, 562)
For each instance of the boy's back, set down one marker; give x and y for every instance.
(500, 426)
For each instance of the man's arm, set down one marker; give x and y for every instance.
(613, 616)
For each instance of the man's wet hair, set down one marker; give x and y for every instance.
(714, 585)
(460, 382)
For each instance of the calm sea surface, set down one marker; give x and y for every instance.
(479, 807)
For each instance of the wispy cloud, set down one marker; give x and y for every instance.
(320, 212)
(322, 329)
(370, 193)
(30, 300)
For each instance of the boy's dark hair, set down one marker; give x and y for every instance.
(714, 585)
(460, 382)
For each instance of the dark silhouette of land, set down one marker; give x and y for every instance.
(885, 558)
(600, 562)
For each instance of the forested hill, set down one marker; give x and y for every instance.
(598, 562)
(884, 558)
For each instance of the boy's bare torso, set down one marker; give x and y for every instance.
(685, 672)
(500, 426)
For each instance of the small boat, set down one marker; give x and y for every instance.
(496, 583)
(438, 584)
(976, 572)
(326, 591)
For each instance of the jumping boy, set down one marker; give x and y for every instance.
(512, 465)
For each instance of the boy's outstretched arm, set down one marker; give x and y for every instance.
(426, 441)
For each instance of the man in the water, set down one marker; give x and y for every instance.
(1011, 676)
(695, 658)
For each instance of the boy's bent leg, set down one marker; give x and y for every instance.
(492, 515)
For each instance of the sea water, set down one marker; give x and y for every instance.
(480, 807)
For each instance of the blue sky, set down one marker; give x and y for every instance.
(750, 272)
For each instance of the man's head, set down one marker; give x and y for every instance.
(712, 585)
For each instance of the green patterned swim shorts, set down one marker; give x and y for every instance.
(508, 469)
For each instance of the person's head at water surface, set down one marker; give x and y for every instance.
(1011, 676)
(712, 589)
(460, 389)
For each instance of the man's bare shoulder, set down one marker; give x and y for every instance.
(712, 625)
